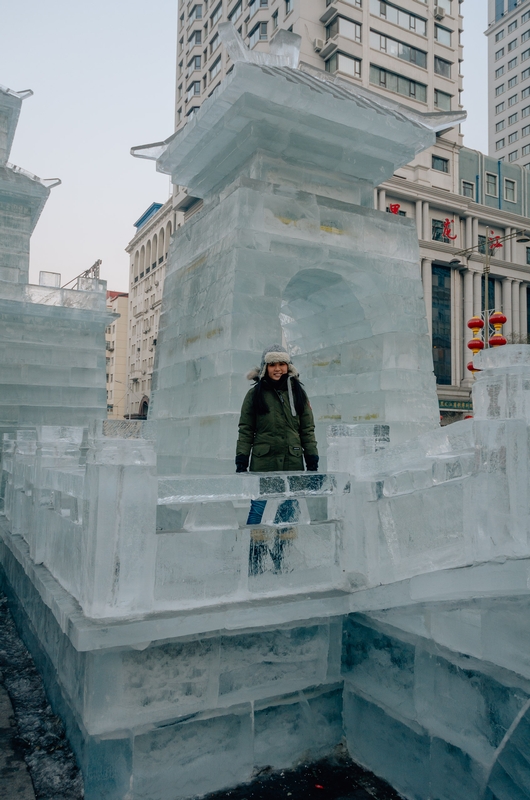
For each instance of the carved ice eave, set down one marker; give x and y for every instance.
(303, 116)
(10, 104)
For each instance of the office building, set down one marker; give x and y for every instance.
(508, 35)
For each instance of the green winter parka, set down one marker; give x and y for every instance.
(277, 439)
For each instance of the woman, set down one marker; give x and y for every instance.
(276, 423)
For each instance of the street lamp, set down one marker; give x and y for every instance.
(492, 243)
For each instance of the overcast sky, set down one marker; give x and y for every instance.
(103, 74)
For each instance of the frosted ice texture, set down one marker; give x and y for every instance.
(284, 48)
(52, 362)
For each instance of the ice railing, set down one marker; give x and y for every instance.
(122, 540)
(90, 294)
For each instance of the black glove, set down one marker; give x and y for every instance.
(242, 463)
(311, 463)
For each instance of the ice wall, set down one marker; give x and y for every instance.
(52, 341)
(286, 161)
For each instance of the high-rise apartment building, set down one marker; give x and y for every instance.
(509, 80)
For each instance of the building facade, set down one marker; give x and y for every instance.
(508, 35)
(148, 256)
(116, 336)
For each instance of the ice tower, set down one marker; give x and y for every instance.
(288, 242)
(52, 347)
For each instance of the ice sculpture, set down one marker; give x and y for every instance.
(286, 161)
(39, 324)
(386, 605)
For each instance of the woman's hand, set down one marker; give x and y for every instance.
(242, 463)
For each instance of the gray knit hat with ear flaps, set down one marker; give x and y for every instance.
(275, 354)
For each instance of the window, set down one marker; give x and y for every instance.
(513, 156)
(339, 62)
(499, 108)
(441, 324)
(195, 13)
(275, 20)
(398, 49)
(525, 17)
(499, 144)
(525, 132)
(255, 5)
(510, 190)
(499, 126)
(525, 112)
(499, 54)
(193, 90)
(525, 36)
(442, 35)
(445, 4)
(442, 100)
(491, 184)
(512, 100)
(398, 83)
(499, 35)
(194, 39)
(217, 14)
(513, 62)
(236, 12)
(512, 82)
(525, 74)
(351, 30)
(512, 119)
(499, 90)
(440, 164)
(512, 26)
(468, 189)
(442, 67)
(524, 55)
(513, 137)
(527, 251)
(402, 18)
(512, 45)
(194, 64)
(525, 92)
(258, 34)
(215, 69)
(437, 231)
(499, 72)
(482, 244)
(215, 43)
(288, 6)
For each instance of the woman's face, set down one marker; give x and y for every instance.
(275, 371)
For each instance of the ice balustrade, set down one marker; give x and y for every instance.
(183, 541)
(124, 540)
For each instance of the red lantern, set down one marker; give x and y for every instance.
(475, 345)
(394, 208)
(497, 340)
(476, 324)
(497, 320)
(471, 368)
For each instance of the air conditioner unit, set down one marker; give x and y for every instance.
(318, 45)
(157, 283)
(439, 12)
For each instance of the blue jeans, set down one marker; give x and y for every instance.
(283, 514)
(257, 507)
